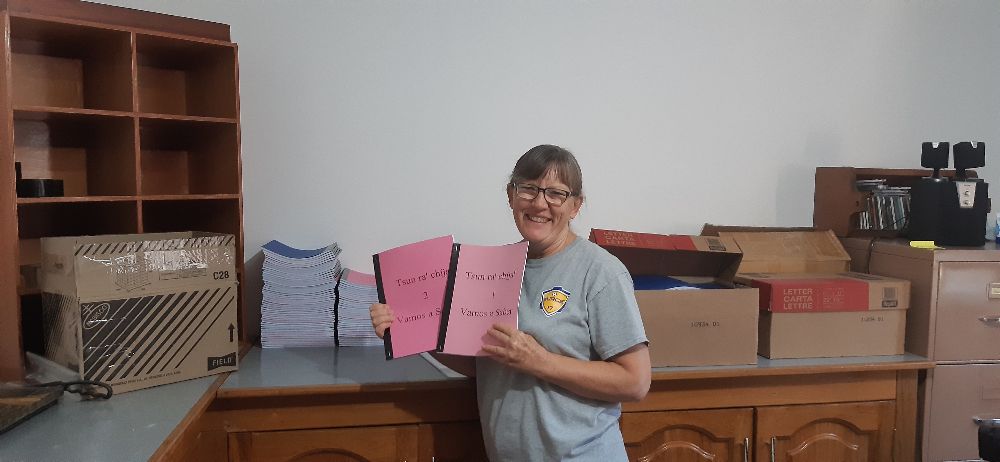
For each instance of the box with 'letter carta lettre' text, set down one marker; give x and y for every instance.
(811, 306)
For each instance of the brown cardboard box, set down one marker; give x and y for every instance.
(825, 334)
(689, 327)
(141, 310)
(812, 335)
(827, 292)
(791, 252)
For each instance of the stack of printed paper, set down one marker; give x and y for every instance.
(355, 295)
(299, 296)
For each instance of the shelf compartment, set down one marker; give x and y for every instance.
(45, 219)
(186, 77)
(210, 215)
(188, 157)
(68, 65)
(29, 260)
(837, 203)
(94, 154)
(32, 327)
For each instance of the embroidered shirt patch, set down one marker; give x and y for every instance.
(553, 300)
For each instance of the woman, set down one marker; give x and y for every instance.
(552, 390)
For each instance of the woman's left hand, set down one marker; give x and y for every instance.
(515, 349)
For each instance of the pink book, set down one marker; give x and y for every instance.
(412, 279)
(484, 289)
(359, 278)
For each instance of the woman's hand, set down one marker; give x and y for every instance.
(516, 349)
(381, 318)
(624, 377)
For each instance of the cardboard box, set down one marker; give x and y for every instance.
(791, 252)
(826, 292)
(141, 310)
(689, 327)
(816, 335)
(819, 334)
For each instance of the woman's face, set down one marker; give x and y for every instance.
(545, 226)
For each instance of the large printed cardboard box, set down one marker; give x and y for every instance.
(811, 306)
(701, 327)
(827, 292)
(140, 310)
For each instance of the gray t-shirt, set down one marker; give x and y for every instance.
(579, 303)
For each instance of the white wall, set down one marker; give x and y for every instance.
(376, 123)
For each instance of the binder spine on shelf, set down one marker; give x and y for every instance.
(449, 291)
(386, 338)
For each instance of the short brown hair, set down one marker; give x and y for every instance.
(545, 158)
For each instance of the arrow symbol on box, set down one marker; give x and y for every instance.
(231, 329)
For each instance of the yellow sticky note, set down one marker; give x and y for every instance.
(924, 245)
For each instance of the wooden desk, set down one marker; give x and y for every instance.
(305, 404)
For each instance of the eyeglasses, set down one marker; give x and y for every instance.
(87, 389)
(554, 196)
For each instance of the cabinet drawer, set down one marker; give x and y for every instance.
(967, 326)
(958, 394)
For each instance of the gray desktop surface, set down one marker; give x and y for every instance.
(128, 427)
(307, 367)
(132, 426)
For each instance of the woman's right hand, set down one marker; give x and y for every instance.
(381, 318)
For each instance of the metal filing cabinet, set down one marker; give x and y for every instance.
(954, 319)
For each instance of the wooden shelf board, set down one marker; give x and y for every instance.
(189, 197)
(73, 199)
(114, 18)
(186, 118)
(157, 197)
(858, 232)
(49, 112)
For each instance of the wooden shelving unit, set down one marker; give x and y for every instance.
(137, 113)
(837, 202)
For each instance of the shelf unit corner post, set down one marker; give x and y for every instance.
(11, 351)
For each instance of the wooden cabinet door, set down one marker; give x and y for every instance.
(849, 432)
(452, 442)
(361, 444)
(688, 436)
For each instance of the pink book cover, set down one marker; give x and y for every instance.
(412, 279)
(485, 291)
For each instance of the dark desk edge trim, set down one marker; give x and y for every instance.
(672, 373)
(337, 389)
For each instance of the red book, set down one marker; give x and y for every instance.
(609, 238)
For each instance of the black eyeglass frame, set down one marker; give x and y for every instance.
(563, 194)
(88, 389)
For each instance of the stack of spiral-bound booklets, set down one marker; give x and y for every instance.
(299, 296)
(356, 292)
